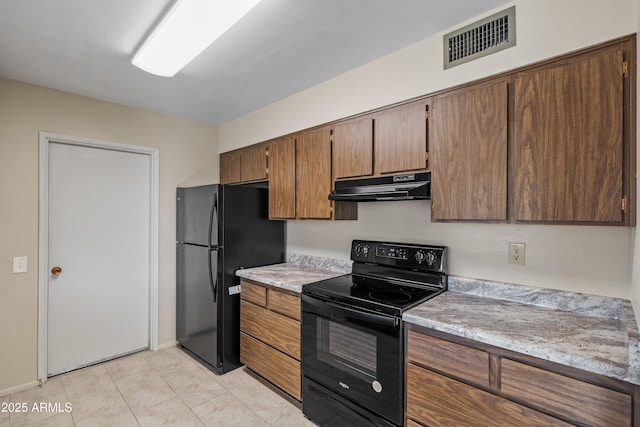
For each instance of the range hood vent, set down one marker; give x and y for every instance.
(386, 188)
(489, 35)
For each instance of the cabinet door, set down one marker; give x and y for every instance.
(230, 167)
(277, 367)
(282, 178)
(469, 154)
(353, 148)
(439, 401)
(313, 174)
(254, 163)
(568, 140)
(401, 138)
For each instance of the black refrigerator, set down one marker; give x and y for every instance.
(220, 229)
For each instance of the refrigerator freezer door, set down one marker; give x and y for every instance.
(198, 215)
(197, 310)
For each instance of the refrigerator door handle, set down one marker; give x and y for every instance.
(212, 282)
(212, 217)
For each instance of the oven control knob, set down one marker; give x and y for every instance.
(365, 250)
(358, 249)
(420, 257)
(431, 257)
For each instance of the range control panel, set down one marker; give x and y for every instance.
(406, 255)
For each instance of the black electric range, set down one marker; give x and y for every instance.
(352, 335)
(387, 277)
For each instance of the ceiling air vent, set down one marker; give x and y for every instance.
(489, 35)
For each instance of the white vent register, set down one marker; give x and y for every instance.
(481, 38)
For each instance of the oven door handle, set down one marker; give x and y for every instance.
(372, 318)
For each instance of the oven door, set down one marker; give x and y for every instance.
(357, 354)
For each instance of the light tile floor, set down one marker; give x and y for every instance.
(162, 388)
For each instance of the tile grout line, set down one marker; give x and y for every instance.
(66, 395)
(239, 399)
(206, 371)
(177, 395)
(121, 395)
(175, 392)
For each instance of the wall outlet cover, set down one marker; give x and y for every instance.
(516, 253)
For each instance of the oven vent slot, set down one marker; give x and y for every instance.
(481, 38)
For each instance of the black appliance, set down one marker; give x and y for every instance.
(220, 229)
(352, 333)
(411, 186)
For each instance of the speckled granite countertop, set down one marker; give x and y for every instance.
(592, 333)
(297, 271)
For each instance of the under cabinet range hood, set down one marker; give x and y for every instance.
(385, 188)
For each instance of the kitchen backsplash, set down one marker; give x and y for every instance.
(337, 265)
(592, 305)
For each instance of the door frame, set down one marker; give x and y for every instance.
(43, 234)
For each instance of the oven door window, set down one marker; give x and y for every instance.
(348, 349)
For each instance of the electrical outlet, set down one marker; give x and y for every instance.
(20, 264)
(516, 253)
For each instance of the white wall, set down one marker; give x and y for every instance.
(586, 259)
(188, 156)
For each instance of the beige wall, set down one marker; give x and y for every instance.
(188, 156)
(586, 259)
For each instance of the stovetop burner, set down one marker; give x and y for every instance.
(390, 296)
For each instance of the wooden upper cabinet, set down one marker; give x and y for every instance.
(282, 178)
(230, 167)
(401, 138)
(468, 148)
(244, 165)
(254, 163)
(568, 140)
(353, 148)
(313, 174)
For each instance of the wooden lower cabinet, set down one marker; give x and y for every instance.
(270, 334)
(587, 403)
(497, 387)
(280, 332)
(275, 366)
(436, 400)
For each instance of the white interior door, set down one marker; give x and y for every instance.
(99, 235)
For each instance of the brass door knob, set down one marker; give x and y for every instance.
(56, 270)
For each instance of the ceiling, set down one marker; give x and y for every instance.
(279, 48)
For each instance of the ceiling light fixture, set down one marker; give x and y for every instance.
(185, 31)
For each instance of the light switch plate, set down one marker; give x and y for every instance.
(20, 264)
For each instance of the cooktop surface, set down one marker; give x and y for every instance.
(377, 294)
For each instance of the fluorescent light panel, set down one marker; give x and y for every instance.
(188, 29)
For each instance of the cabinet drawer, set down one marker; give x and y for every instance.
(457, 360)
(580, 401)
(272, 328)
(273, 365)
(255, 293)
(286, 304)
(438, 401)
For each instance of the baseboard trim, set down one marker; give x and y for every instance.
(167, 345)
(16, 389)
